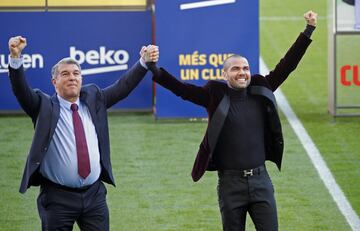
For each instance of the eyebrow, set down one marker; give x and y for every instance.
(69, 71)
(237, 66)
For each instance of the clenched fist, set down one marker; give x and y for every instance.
(150, 53)
(311, 17)
(16, 45)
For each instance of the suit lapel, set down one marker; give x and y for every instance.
(263, 91)
(217, 121)
(90, 105)
(55, 114)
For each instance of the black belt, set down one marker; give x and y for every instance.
(243, 173)
(47, 182)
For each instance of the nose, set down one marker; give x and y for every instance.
(241, 71)
(73, 77)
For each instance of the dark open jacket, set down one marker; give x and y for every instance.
(211, 94)
(44, 111)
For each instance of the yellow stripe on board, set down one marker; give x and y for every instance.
(22, 3)
(69, 3)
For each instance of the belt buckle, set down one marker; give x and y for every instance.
(248, 172)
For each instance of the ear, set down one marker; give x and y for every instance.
(53, 81)
(224, 75)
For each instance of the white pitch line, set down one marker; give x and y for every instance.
(315, 157)
(192, 5)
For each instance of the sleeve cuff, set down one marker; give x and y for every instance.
(16, 63)
(143, 63)
(309, 30)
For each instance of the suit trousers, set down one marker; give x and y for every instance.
(60, 207)
(239, 194)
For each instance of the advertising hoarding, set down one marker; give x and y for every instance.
(195, 37)
(106, 44)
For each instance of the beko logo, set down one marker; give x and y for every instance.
(105, 60)
(116, 58)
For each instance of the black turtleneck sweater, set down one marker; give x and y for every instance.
(241, 142)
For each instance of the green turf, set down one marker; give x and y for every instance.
(152, 163)
(152, 160)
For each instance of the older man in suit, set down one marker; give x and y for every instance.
(70, 152)
(244, 130)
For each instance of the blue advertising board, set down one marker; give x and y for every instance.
(195, 37)
(106, 44)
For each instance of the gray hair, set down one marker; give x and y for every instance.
(226, 62)
(67, 60)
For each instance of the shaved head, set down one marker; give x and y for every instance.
(227, 61)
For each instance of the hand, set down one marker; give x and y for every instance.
(310, 18)
(16, 45)
(150, 53)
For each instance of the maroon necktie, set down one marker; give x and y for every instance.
(81, 145)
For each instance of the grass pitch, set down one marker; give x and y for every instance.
(152, 160)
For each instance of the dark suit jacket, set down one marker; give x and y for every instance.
(45, 110)
(211, 94)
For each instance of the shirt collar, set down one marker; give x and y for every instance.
(66, 104)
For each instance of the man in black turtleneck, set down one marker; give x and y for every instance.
(244, 130)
